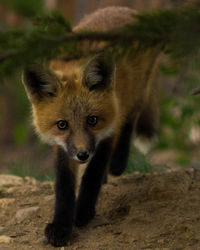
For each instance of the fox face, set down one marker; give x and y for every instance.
(76, 110)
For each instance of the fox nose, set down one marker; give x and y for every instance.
(83, 156)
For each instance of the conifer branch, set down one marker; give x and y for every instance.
(177, 31)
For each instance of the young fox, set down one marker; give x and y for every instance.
(90, 109)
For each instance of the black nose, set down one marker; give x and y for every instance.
(83, 156)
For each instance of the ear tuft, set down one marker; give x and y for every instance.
(39, 82)
(99, 73)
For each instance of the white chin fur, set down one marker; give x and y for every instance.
(53, 141)
(105, 133)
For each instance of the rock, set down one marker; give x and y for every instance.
(98, 221)
(6, 201)
(43, 240)
(170, 186)
(23, 213)
(5, 239)
(8, 190)
(48, 185)
(1, 229)
(30, 180)
(49, 198)
(10, 181)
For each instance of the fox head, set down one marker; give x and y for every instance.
(74, 104)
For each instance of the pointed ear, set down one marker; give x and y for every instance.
(39, 82)
(99, 73)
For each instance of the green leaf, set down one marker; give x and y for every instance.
(26, 8)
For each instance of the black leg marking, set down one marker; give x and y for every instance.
(58, 232)
(91, 183)
(120, 155)
(105, 178)
(148, 121)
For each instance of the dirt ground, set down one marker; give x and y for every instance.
(152, 211)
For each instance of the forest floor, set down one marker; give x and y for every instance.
(135, 211)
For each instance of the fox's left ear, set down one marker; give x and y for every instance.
(99, 73)
(39, 82)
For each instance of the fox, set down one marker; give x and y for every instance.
(90, 109)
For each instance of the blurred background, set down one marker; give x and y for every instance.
(177, 144)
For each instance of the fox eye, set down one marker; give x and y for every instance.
(92, 120)
(62, 124)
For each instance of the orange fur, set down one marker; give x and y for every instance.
(73, 102)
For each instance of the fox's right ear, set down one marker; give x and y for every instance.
(99, 73)
(39, 82)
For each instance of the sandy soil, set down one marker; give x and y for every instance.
(153, 211)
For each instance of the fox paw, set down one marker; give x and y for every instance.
(83, 218)
(57, 235)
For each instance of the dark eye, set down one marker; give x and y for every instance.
(62, 124)
(92, 120)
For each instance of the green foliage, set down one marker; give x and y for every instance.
(137, 162)
(54, 22)
(17, 45)
(179, 116)
(20, 133)
(22, 170)
(27, 8)
(52, 36)
(170, 70)
(183, 159)
(185, 36)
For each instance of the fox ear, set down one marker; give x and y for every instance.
(99, 73)
(39, 82)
